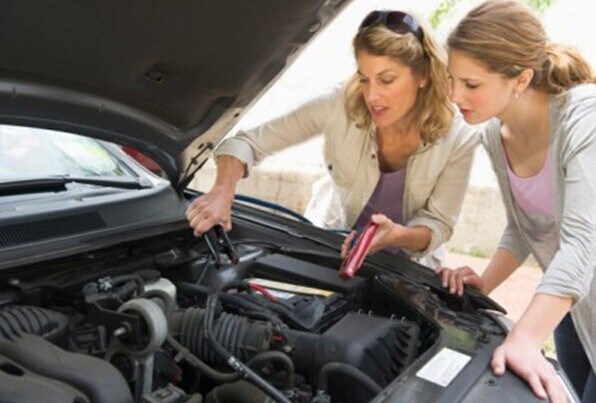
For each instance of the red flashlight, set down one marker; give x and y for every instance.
(351, 264)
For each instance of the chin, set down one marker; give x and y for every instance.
(475, 120)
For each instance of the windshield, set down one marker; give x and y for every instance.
(31, 152)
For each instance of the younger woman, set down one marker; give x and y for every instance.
(539, 99)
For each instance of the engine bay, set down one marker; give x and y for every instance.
(160, 320)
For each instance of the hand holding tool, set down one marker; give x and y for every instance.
(351, 264)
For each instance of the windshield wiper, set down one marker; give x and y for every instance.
(58, 184)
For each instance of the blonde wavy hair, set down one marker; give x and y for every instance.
(508, 38)
(425, 59)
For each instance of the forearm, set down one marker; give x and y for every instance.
(412, 239)
(229, 171)
(500, 267)
(542, 317)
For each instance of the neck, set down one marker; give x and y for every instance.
(527, 116)
(404, 128)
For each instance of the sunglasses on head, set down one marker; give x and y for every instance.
(397, 21)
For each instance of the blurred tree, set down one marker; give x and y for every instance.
(445, 7)
(540, 5)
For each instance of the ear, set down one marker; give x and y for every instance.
(523, 80)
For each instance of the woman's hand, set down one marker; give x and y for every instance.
(211, 209)
(383, 237)
(346, 246)
(522, 354)
(456, 279)
(387, 233)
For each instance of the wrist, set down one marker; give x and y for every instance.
(519, 333)
(223, 191)
(397, 235)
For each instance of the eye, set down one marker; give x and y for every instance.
(472, 86)
(363, 80)
(387, 81)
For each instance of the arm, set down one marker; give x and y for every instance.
(236, 155)
(512, 249)
(306, 121)
(391, 234)
(413, 239)
(521, 351)
(500, 267)
(569, 275)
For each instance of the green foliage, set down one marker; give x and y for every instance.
(540, 5)
(443, 9)
(446, 6)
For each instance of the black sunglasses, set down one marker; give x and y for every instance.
(397, 21)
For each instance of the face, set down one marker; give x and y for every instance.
(390, 89)
(479, 93)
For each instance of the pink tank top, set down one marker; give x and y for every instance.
(534, 194)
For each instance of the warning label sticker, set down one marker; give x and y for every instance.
(443, 367)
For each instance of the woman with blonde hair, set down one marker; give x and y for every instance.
(392, 144)
(539, 102)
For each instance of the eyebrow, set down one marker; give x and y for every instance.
(465, 79)
(379, 73)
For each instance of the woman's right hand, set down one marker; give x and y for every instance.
(455, 279)
(211, 209)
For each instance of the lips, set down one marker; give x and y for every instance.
(465, 112)
(377, 111)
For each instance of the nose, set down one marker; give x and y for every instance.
(371, 93)
(456, 94)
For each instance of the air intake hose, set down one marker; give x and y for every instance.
(242, 337)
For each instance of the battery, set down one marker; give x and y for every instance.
(309, 308)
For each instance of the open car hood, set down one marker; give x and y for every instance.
(163, 77)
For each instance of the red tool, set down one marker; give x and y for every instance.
(352, 262)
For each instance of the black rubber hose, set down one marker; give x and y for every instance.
(194, 288)
(231, 299)
(196, 362)
(280, 357)
(264, 316)
(333, 367)
(232, 361)
(126, 291)
(124, 278)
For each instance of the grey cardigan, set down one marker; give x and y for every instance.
(566, 253)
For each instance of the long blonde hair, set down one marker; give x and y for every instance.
(508, 38)
(425, 59)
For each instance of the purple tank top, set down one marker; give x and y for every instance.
(534, 194)
(386, 198)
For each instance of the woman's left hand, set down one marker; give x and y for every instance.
(522, 355)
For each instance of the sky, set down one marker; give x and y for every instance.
(329, 61)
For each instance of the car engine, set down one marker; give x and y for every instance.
(160, 320)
